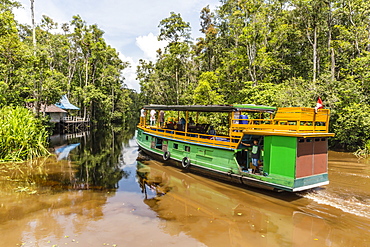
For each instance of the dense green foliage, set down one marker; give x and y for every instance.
(38, 71)
(22, 137)
(280, 53)
(76, 62)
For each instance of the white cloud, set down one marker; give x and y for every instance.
(23, 15)
(149, 44)
(130, 73)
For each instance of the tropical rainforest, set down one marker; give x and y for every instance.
(278, 53)
(39, 65)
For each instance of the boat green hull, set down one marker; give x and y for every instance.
(221, 163)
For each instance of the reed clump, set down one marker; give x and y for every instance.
(363, 153)
(22, 136)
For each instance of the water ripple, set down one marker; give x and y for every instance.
(347, 203)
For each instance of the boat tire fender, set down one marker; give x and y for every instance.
(185, 162)
(166, 155)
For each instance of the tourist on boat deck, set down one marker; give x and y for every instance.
(161, 118)
(171, 120)
(142, 116)
(191, 121)
(182, 121)
(256, 153)
(211, 131)
(181, 125)
(152, 117)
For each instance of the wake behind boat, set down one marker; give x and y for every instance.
(262, 146)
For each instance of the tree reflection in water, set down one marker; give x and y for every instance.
(99, 160)
(96, 163)
(53, 193)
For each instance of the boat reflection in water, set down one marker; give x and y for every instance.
(218, 215)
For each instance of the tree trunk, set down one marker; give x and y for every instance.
(86, 80)
(177, 86)
(331, 53)
(314, 55)
(332, 64)
(33, 27)
(35, 82)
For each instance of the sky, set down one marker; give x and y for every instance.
(130, 26)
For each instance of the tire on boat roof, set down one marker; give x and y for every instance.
(185, 162)
(166, 155)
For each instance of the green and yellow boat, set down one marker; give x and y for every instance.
(293, 143)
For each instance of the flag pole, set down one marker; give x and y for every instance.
(319, 105)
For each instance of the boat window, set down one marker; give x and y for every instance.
(323, 139)
(147, 138)
(306, 123)
(158, 143)
(301, 140)
(308, 140)
(187, 149)
(317, 140)
(176, 146)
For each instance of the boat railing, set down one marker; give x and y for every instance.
(286, 120)
(202, 138)
(293, 119)
(281, 125)
(75, 119)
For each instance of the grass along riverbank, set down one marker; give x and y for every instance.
(22, 136)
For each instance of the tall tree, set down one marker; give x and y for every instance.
(206, 48)
(174, 66)
(312, 16)
(14, 58)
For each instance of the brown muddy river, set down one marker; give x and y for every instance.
(94, 192)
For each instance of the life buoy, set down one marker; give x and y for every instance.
(185, 162)
(166, 155)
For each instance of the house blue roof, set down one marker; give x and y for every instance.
(65, 104)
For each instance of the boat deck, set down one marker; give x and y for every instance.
(200, 138)
(291, 121)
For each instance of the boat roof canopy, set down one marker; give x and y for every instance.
(213, 108)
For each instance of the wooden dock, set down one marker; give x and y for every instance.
(72, 124)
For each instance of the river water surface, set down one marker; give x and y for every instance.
(97, 190)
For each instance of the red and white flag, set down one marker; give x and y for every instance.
(319, 104)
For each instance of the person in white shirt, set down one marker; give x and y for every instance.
(142, 116)
(152, 117)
